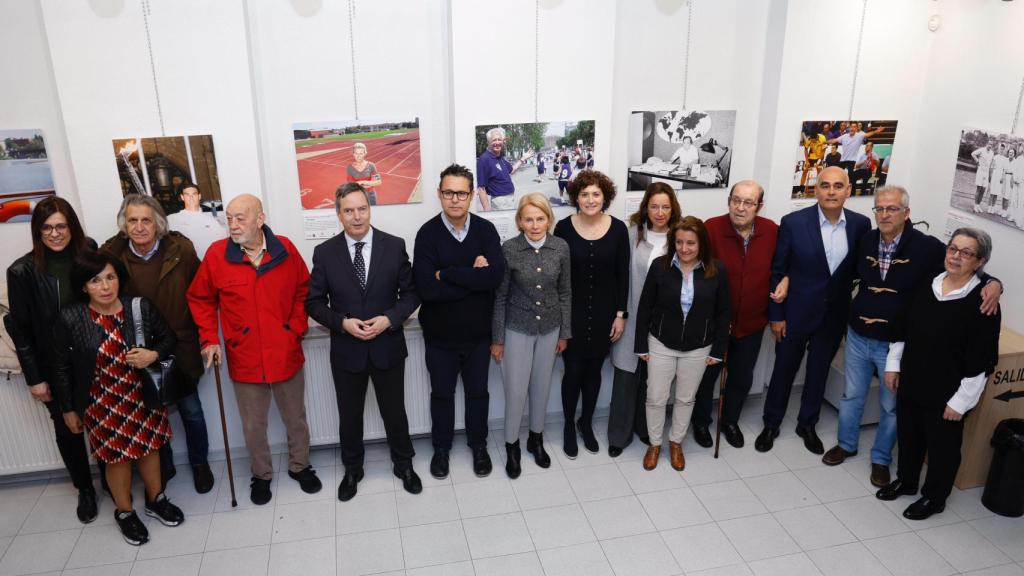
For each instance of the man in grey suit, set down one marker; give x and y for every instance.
(361, 288)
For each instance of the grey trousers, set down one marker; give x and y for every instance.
(526, 371)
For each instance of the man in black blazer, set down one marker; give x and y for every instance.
(362, 289)
(815, 250)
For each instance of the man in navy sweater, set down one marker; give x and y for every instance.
(892, 262)
(457, 265)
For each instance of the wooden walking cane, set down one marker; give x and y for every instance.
(721, 404)
(224, 429)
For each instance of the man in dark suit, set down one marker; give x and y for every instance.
(362, 289)
(816, 249)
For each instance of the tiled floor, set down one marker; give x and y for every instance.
(745, 513)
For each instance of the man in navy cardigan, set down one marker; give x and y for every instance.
(892, 262)
(816, 249)
(457, 265)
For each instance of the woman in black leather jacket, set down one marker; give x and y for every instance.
(97, 376)
(39, 285)
(682, 326)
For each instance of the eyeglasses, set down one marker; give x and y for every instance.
(887, 209)
(449, 194)
(737, 202)
(954, 251)
(48, 229)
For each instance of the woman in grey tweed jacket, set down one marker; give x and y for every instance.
(532, 311)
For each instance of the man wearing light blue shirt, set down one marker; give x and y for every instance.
(813, 251)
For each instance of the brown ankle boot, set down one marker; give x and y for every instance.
(651, 458)
(675, 455)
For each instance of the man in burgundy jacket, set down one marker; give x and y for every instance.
(745, 243)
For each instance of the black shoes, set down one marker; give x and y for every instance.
(733, 435)
(87, 509)
(879, 475)
(569, 445)
(836, 455)
(512, 466)
(923, 509)
(535, 446)
(202, 478)
(481, 462)
(811, 440)
(895, 489)
(766, 439)
(349, 483)
(133, 530)
(702, 436)
(439, 464)
(307, 480)
(589, 440)
(614, 451)
(259, 491)
(410, 481)
(161, 508)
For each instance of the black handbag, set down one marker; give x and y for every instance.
(158, 379)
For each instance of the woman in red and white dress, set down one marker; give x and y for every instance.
(99, 388)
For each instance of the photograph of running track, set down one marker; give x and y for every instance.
(382, 155)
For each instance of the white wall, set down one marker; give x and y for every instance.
(972, 79)
(29, 100)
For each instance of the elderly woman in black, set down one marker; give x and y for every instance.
(98, 385)
(950, 348)
(39, 285)
(682, 326)
(599, 253)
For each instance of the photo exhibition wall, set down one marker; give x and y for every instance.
(289, 100)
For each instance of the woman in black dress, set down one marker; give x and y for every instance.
(599, 251)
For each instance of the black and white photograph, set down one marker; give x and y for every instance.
(989, 173)
(861, 147)
(513, 160)
(684, 148)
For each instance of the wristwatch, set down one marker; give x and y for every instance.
(623, 315)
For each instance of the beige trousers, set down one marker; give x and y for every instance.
(254, 407)
(663, 365)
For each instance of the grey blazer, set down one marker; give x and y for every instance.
(534, 296)
(623, 356)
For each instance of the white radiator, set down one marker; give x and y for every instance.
(26, 432)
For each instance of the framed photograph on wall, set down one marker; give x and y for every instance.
(513, 160)
(381, 154)
(25, 176)
(686, 149)
(162, 167)
(861, 147)
(989, 176)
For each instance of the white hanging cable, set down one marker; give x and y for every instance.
(536, 60)
(686, 58)
(352, 52)
(152, 65)
(856, 60)
(1016, 115)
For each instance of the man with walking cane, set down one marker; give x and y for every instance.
(257, 282)
(745, 243)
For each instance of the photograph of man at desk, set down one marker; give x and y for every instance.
(684, 148)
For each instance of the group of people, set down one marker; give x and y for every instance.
(999, 181)
(840, 145)
(671, 298)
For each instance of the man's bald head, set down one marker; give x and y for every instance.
(832, 189)
(833, 172)
(245, 220)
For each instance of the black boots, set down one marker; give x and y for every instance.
(512, 467)
(535, 446)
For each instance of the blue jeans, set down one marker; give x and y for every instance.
(194, 421)
(864, 358)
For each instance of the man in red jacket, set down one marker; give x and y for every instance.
(258, 281)
(745, 243)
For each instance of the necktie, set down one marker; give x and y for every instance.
(360, 264)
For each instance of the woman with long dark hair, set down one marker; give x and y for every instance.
(39, 285)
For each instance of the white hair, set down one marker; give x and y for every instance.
(496, 132)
